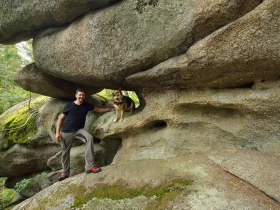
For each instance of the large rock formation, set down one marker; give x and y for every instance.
(209, 136)
(222, 140)
(21, 160)
(207, 75)
(31, 78)
(242, 52)
(22, 20)
(118, 41)
(162, 184)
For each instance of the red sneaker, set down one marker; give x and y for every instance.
(94, 169)
(62, 177)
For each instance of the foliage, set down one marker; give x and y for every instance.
(107, 94)
(6, 195)
(31, 185)
(18, 125)
(2, 181)
(11, 96)
(12, 59)
(23, 185)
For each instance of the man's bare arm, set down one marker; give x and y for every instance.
(58, 127)
(102, 110)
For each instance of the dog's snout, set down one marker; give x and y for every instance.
(118, 99)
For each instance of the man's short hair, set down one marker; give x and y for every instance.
(80, 90)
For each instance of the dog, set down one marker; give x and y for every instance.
(122, 103)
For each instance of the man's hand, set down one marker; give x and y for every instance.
(58, 127)
(57, 137)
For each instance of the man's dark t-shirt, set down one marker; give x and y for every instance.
(75, 116)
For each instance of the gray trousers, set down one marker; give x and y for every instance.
(66, 144)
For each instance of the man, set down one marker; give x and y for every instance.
(71, 124)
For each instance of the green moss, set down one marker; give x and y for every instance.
(18, 126)
(164, 193)
(23, 185)
(6, 195)
(120, 191)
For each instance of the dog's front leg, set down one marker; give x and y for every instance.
(117, 114)
(121, 112)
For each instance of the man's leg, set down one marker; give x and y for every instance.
(89, 153)
(66, 144)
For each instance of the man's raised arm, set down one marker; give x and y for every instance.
(102, 110)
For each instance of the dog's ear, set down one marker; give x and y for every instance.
(120, 89)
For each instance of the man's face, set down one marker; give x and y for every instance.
(80, 96)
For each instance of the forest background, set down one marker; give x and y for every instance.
(12, 59)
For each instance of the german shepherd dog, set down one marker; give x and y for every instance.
(122, 103)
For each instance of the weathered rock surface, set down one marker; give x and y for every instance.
(236, 128)
(104, 47)
(33, 79)
(20, 160)
(221, 139)
(22, 20)
(215, 189)
(207, 74)
(242, 52)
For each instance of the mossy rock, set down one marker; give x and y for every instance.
(6, 195)
(19, 123)
(159, 195)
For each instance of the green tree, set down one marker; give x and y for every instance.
(12, 59)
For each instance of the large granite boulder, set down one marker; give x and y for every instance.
(33, 79)
(21, 20)
(153, 184)
(21, 160)
(237, 129)
(104, 47)
(241, 53)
